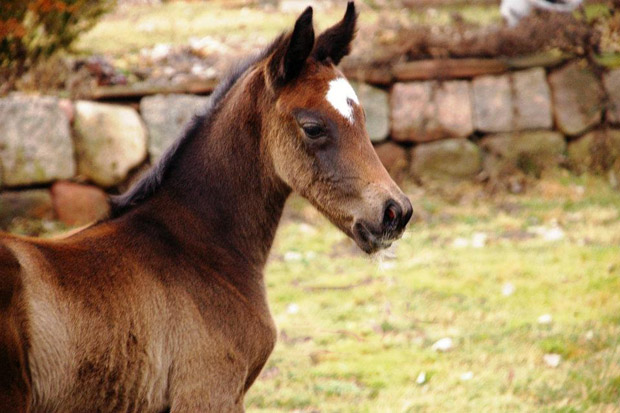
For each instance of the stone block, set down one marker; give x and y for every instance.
(394, 158)
(577, 98)
(76, 204)
(611, 81)
(532, 100)
(35, 141)
(412, 112)
(454, 109)
(530, 152)
(427, 111)
(166, 117)
(377, 108)
(450, 159)
(110, 141)
(492, 100)
(597, 151)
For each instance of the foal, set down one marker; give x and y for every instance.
(162, 307)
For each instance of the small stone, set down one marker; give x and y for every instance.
(35, 141)
(450, 159)
(553, 234)
(611, 81)
(479, 240)
(443, 345)
(552, 359)
(577, 97)
(77, 204)
(421, 379)
(545, 319)
(293, 256)
(460, 242)
(110, 140)
(508, 289)
(33, 203)
(394, 159)
(376, 105)
(532, 100)
(292, 308)
(492, 99)
(166, 117)
(468, 375)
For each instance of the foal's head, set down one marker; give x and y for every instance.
(317, 140)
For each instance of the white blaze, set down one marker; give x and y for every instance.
(342, 96)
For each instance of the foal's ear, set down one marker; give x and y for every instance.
(335, 42)
(290, 56)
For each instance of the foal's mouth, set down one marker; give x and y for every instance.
(370, 241)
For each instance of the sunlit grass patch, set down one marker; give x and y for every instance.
(357, 335)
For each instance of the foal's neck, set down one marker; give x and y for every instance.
(222, 194)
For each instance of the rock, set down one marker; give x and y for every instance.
(530, 152)
(412, 112)
(376, 106)
(492, 99)
(394, 158)
(427, 111)
(597, 151)
(577, 97)
(34, 203)
(545, 319)
(611, 81)
(552, 359)
(77, 204)
(35, 141)
(444, 344)
(166, 117)
(532, 100)
(110, 141)
(454, 109)
(447, 159)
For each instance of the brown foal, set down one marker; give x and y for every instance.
(161, 306)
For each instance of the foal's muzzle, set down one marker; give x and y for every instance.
(372, 237)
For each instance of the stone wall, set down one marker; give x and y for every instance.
(58, 157)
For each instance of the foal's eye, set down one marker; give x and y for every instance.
(313, 131)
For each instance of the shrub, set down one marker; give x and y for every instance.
(32, 30)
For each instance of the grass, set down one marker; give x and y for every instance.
(129, 29)
(355, 334)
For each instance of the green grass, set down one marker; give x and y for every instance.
(129, 29)
(355, 333)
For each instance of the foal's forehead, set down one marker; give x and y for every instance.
(326, 88)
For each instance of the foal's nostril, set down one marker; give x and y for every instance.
(408, 212)
(392, 215)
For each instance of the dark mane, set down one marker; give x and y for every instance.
(149, 183)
